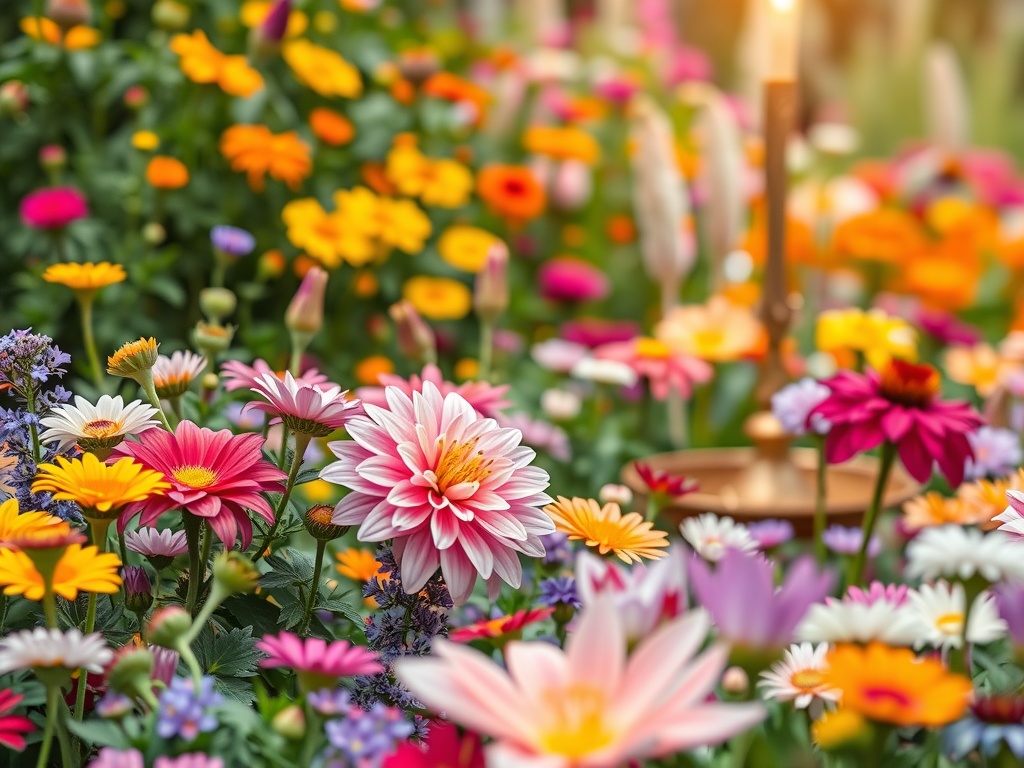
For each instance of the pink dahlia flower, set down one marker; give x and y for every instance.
(238, 375)
(216, 476)
(53, 208)
(594, 331)
(590, 706)
(450, 487)
(567, 278)
(318, 663)
(898, 405)
(665, 369)
(304, 408)
(486, 399)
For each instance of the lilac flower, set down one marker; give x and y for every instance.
(768, 534)
(997, 453)
(559, 590)
(108, 757)
(28, 359)
(186, 713)
(1010, 603)
(165, 664)
(233, 241)
(190, 760)
(792, 405)
(114, 705)
(138, 590)
(557, 549)
(747, 608)
(846, 541)
(330, 702)
(366, 737)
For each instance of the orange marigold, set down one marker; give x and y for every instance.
(331, 127)
(165, 172)
(511, 191)
(46, 30)
(201, 62)
(449, 87)
(258, 152)
(887, 235)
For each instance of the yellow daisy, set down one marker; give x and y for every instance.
(323, 70)
(438, 298)
(80, 569)
(85, 277)
(101, 490)
(14, 522)
(466, 247)
(628, 536)
(132, 357)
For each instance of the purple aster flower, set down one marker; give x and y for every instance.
(846, 541)
(108, 757)
(366, 737)
(189, 760)
(768, 534)
(330, 702)
(557, 549)
(184, 711)
(233, 241)
(559, 590)
(792, 406)
(997, 453)
(114, 705)
(746, 606)
(1010, 603)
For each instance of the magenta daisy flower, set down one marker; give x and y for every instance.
(450, 487)
(318, 663)
(304, 408)
(238, 375)
(898, 405)
(486, 399)
(216, 476)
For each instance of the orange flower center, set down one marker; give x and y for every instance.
(460, 463)
(194, 476)
(652, 348)
(807, 679)
(909, 384)
(101, 428)
(321, 514)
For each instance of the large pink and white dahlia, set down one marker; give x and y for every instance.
(451, 487)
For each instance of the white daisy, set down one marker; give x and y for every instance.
(96, 427)
(48, 648)
(954, 551)
(939, 608)
(711, 536)
(856, 622)
(800, 678)
(610, 372)
(153, 543)
(172, 376)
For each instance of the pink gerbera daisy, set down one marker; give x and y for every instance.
(898, 405)
(486, 399)
(318, 663)
(238, 375)
(13, 727)
(665, 369)
(304, 408)
(450, 487)
(216, 476)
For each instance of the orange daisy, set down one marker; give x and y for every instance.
(511, 191)
(628, 536)
(201, 62)
(258, 152)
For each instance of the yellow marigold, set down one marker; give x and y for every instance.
(358, 564)
(46, 30)
(100, 489)
(327, 237)
(369, 370)
(402, 225)
(323, 70)
(80, 569)
(254, 13)
(629, 537)
(719, 331)
(438, 298)
(201, 62)
(85, 277)
(876, 334)
(165, 172)
(145, 141)
(466, 247)
(331, 127)
(441, 183)
(562, 143)
(258, 152)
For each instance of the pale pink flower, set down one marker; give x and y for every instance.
(157, 543)
(664, 368)
(238, 375)
(450, 487)
(172, 376)
(589, 706)
(304, 408)
(486, 399)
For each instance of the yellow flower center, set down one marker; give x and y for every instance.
(950, 623)
(708, 341)
(196, 477)
(575, 718)
(460, 463)
(101, 428)
(807, 679)
(652, 348)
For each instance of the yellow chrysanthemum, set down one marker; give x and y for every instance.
(403, 225)
(562, 143)
(628, 536)
(466, 247)
(80, 569)
(202, 63)
(13, 522)
(323, 70)
(145, 141)
(101, 490)
(877, 335)
(438, 298)
(442, 183)
(132, 357)
(358, 564)
(326, 236)
(85, 277)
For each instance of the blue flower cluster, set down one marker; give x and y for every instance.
(184, 711)
(365, 737)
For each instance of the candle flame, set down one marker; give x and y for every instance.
(783, 6)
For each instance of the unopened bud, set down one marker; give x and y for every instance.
(138, 590)
(167, 625)
(560, 404)
(415, 338)
(130, 671)
(212, 338)
(217, 303)
(154, 233)
(136, 97)
(68, 13)
(53, 157)
(418, 65)
(235, 573)
(290, 722)
(615, 494)
(319, 522)
(13, 98)
(171, 15)
(209, 382)
(265, 39)
(305, 313)
(735, 680)
(490, 292)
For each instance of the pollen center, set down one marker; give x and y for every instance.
(575, 718)
(908, 384)
(101, 428)
(195, 477)
(460, 463)
(950, 623)
(807, 679)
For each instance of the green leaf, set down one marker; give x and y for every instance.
(100, 733)
(228, 654)
(336, 603)
(290, 570)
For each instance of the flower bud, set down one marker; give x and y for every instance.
(235, 573)
(136, 97)
(271, 264)
(418, 65)
(171, 15)
(490, 292)
(735, 681)
(265, 39)
(68, 13)
(290, 722)
(138, 591)
(618, 494)
(217, 303)
(167, 625)
(53, 157)
(305, 314)
(560, 404)
(573, 185)
(153, 233)
(415, 338)
(319, 523)
(13, 98)
(130, 670)
(212, 338)
(209, 382)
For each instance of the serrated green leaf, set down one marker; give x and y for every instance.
(290, 570)
(230, 653)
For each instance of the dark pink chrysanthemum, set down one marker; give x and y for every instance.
(238, 375)
(13, 727)
(486, 399)
(304, 408)
(216, 476)
(898, 405)
(53, 208)
(567, 278)
(318, 663)
(450, 487)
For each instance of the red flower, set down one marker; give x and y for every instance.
(664, 483)
(444, 747)
(53, 208)
(898, 404)
(503, 625)
(13, 726)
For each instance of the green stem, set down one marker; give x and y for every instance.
(820, 508)
(204, 556)
(314, 587)
(63, 739)
(52, 697)
(85, 305)
(154, 400)
(3, 612)
(486, 349)
(37, 454)
(193, 526)
(90, 625)
(871, 518)
(301, 443)
(50, 607)
(282, 458)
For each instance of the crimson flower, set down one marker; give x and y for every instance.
(53, 208)
(444, 747)
(664, 483)
(216, 476)
(898, 405)
(13, 726)
(501, 626)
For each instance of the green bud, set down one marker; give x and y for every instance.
(167, 625)
(235, 573)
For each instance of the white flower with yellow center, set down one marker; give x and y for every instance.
(801, 678)
(42, 648)
(96, 427)
(711, 536)
(939, 608)
(172, 376)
